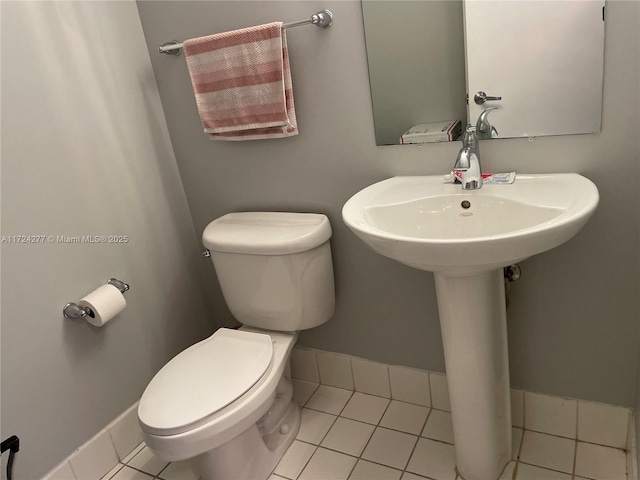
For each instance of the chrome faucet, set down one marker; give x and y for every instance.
(468, 161)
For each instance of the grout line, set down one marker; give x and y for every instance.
(377, 425)
(550, 434)
(148, 473)
(433, 478)
(324, 436)
(324, 447)
(499, 476)
(545, 468)
(328, 430)
(577, 417)
(438, 441)
(306, 463)
(165, 467)
(413, 450)
(353, 377)
(601, 445)
(312, 393)
(383, 414)
(115, 473)
(396, 400)
(575, 458)
(151, 476)
(573, 439)
(430, 390)
(346, 403)
(302, 469)
(137, 449)
(514, 474)
(328, 413)
(519, 446)
(524, 411)
(315, 360)
(354, 467)
(424, 425)
(380, 464)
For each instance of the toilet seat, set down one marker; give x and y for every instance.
(204, 379)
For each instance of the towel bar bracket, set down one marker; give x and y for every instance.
(174, 51)
(323, 19)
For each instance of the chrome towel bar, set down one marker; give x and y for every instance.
(323, 19)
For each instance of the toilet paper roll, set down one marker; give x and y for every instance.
(104, 303)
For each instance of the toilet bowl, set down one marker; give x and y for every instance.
(227, 400)
(194, 420)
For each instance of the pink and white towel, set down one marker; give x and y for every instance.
(242, 83)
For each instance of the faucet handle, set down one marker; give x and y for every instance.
(469, 137)
(481, 97)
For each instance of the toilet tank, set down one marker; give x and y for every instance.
(274, 268)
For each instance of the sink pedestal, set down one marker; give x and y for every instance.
(474, 331)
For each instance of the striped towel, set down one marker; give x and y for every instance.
(242, 83)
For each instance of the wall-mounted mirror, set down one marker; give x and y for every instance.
(544, 59)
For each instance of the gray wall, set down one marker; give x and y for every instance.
(573, 322)
(85, 151)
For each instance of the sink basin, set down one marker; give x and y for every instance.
(465, 238)
(422, 221)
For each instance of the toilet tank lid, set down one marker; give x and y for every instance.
(267, 233)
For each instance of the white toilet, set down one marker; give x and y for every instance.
(228, 399)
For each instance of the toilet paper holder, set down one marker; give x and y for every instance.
(73, 310)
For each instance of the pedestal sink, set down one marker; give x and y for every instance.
(466, 238)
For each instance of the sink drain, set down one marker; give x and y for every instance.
(465, 204)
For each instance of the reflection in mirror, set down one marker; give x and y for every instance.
(544, 59)
(415, 51)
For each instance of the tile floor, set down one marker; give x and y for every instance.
(142, 464)
(357, 436)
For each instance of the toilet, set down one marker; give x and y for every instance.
(227, 400)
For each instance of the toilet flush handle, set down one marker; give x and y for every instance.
(206, 252)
